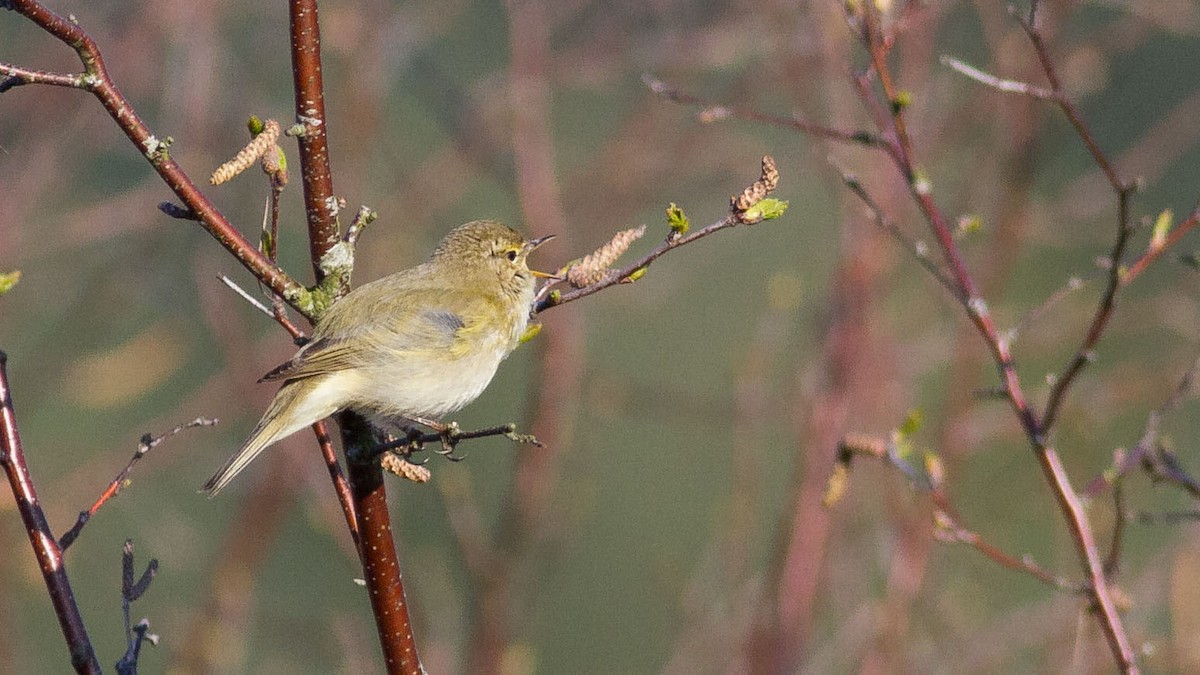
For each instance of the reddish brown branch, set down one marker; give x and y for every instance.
(1068, 107)
(946, 518)
(340, 486)
(45, 547)
(367, 502)
(319, 202)
(1104, 311)
(381, 567)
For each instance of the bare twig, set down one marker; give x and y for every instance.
(947, 522)
(130, 591)
(1149, 452)
(254, 302)
(919, 250)
(146, 444)
(45, 548)
(1000, 84)
(713, 111)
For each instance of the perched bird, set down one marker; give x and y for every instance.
(415, 345)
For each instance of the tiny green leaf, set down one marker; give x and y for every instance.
(767, 209)
(677, 219)
(970, 223)
(1162, 227)
(637, 274)
(255, 125)
(8, 280)
(903, 100)
(912, 422)
(531, 331)
(921, 183)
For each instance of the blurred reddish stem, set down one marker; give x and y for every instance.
(45, 547)
(889, 112)
(1036, 429)
(95, 79)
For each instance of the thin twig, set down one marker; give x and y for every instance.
(1104, 311)
(713, 110)
(625, 274)
(17, 76)
(1148, 452)
(1069, 109)
(917, 249)
(946, 518)
(146, 444)
(1000, 84)
(1031, 317)
(340, 485)
(254, 302)
(1154, 252)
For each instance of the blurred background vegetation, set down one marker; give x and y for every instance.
(692, 416)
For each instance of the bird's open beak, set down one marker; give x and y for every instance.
(533, 244)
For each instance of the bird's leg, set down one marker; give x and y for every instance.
(412, 442)
(449, 434)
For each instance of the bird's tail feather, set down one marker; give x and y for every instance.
(296, 406)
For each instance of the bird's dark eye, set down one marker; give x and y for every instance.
(512, 255)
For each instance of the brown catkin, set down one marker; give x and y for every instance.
(760, 188)
(393, 463)
(247, 155)
(593, 267)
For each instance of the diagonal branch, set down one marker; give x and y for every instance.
(45, 547)
(95, 79)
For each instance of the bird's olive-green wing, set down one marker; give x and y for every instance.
(386, 330)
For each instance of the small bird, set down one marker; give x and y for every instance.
(416, 345)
